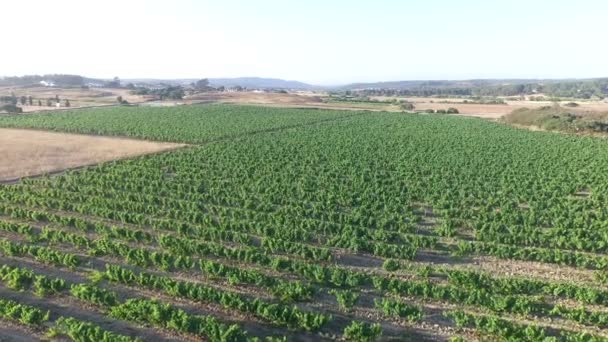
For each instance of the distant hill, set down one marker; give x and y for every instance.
(460, 83)
(575, 88)
(570, 88)
(245, 82)
(260, 83)
(60, 80)
(441, 83)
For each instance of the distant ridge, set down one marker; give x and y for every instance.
(245, 82)
(472, 83)
(260, 82)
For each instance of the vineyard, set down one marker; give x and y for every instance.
(309, 225)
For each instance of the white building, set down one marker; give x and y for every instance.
(47, 83)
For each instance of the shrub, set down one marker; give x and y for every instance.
(11, 108)
(362, 332)
(430, 111)
(452, 110)
(390, 265)
(398, 309)
(346, 298)
(440, 111)
(407, 106)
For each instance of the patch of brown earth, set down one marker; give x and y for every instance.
(26, 153)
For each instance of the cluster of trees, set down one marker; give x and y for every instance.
(174, 92)
(450, 110)
(58, 79)
(584, 89)
(167, 93)
(11, 103)
(422, 91)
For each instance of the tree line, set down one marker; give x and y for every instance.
(582, 89)
(11, 102)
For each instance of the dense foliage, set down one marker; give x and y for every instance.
(192, 124)
(321, 223)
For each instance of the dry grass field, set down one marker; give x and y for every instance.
(289, 100)
(313, 100)
(29, 152)
(78, 97)
(495, 111)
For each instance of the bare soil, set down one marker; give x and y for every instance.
(26, 153)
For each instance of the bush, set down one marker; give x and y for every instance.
(390, 265)
(11, 108)
(452, 110)
(440, 111)
(571, 104)
(430, 111)
(346, 298)
(362, 332)
(407, 106)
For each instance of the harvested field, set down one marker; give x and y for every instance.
(31, 152)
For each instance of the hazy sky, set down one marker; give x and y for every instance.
(317, 41)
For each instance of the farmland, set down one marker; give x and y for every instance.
(300, 225)
(32, 152)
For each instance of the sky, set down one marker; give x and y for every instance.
(325, 42)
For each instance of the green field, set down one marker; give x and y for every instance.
(191, 124)
(323, 225)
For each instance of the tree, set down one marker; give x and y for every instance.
(452, 110)
(23, 100)
(173, 93)
(13, 99)
(407, 106)
(114, 83)
(39, 103)
(201, 84)
(57, 98)
(30, 100)
(49, 102)
(119, 99)
(11, 108)
(67, 102)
